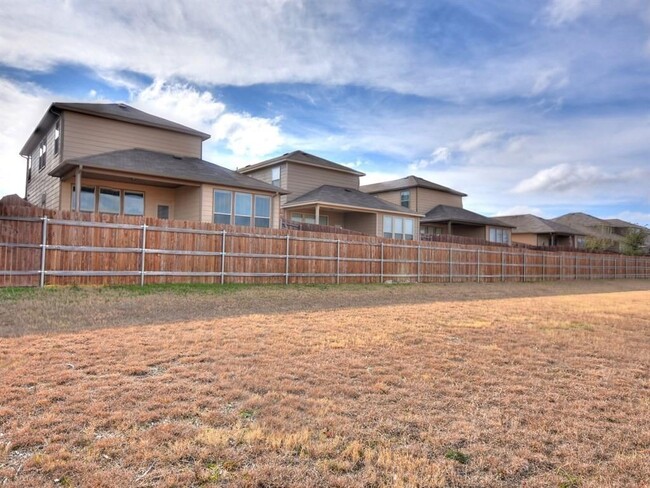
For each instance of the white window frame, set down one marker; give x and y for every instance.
(390, 231)
(57, 136)
(214, 204)
(262, 217)
(248, 216)
(276, 176)
(42, 154)
(406, 193)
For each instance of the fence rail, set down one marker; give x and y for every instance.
(62, 248)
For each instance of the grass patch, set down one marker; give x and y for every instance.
(456, 455)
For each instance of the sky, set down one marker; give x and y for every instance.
(541, 106)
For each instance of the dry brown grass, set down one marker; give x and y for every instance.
(535, 391)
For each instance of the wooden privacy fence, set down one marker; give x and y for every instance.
(53, 250)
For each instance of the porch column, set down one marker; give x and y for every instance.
(317, 215)
(77, 186)
(449, 228)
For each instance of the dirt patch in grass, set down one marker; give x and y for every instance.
(52, 310)
(537, 390)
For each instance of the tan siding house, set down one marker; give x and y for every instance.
(129, 162)
(326, 193)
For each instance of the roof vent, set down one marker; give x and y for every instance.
(123, 106)
(177, 157)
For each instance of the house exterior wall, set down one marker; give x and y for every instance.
(468, 231)
(264, 174)
(362, 222)
(530, 239)
(40, 182)
(153, 195)
(85, 135)
(302, 179)
(422, 199)
(187, 203)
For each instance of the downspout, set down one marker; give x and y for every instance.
(77, 184)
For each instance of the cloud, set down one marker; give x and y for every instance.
(439, 155)
(244, 135)
(248, 136)
(520, 210)
(564, 177)
(30, 102)
(478, 141)
(560, 12)
(550, 79)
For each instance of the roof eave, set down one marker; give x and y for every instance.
(342, 205)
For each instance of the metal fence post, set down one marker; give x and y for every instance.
(419, 253)
(286, 263)
(338, 261)
(223, 256)
(503, 275)
(382, 263)
(43, 250)
(143, 253)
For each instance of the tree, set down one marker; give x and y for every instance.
(598, 244)
(634, 243)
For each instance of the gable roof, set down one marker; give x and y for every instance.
(150, 163)
(347, 197)
(408, 182)
(532, 224)
(624, 224)
(447, 213)
(301, 157)
(114, 111)
(588, 225)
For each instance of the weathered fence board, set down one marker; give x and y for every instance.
(40, 247)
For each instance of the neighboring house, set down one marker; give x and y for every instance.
(536, 231)
(443, 209)
(327, 193)
(128, 162)
(593, 227)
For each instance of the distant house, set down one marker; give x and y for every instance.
(443, 209)
(327, 193)
(537, 231)
(115, 159)
(593, 227)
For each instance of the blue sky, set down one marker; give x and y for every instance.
(536, 106)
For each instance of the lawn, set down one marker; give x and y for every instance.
(406, 385)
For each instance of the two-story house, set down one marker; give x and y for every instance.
(115, 159)
(537, 231)
(327, 193)
(442, 208)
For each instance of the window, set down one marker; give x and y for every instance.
(496, 234)
(275, 176)
(133, 203)
(262, 211)
(57, 136)
(243, 208)
(388, 227)
(408, 229)
(398, 228)
(87, 203)
(109, 201)
(163, 211)
(29, 168)
(405, 198)
(42, 154)
(222, 206)
(310, 218)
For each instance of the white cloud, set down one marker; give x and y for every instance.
(478, 141)
(550, 79)
(520, 210)
(30, 103)
(560, 12)
(564, 177)
(248, 136)
(439, 155)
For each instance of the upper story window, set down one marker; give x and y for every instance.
(275, 176)
(405, 198)
(29, 168)
(42, 154)
(57, 136)
(497, 234)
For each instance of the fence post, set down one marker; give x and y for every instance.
(543, 266)
(478, 265)
(451, 275)
(286, 262)
(338, 261)
(591, 265)
(419, 253)
(523, 259)
(561, 266)
(615, 267)
(143, 253)
(382, 264)
(503, 277)
(43, 250)
(575, 265)
(223, 256)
